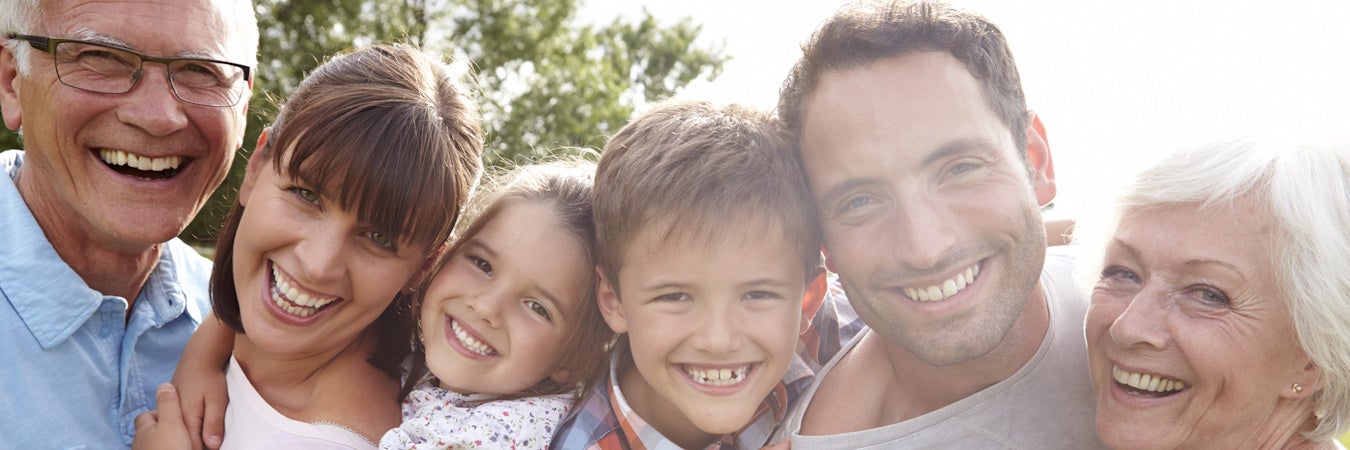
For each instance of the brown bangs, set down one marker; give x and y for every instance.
(384, 160)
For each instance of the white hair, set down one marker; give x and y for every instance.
(21, 16)
(1305, 189)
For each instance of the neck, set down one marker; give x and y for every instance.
(287, 381)
(652, 408)
(918, 387)
(1286, 425)
(105, 264)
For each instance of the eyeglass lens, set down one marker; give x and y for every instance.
(110, 70)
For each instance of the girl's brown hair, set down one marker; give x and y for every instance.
(565, 185)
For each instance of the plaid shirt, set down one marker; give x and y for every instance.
(833, 324)
(604, 421)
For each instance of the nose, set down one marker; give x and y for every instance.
(151, 105)
(719, 330)
(487, 306)
(321, 253)
(923, 233)
(1143, 323)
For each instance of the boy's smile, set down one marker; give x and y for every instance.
(711, 327)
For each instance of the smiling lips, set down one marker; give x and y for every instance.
(1145, 384)
(717, 377)
(946, 289)
(469, 342)
(287, 297)
(141, 166)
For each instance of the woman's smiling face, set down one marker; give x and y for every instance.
(310, 276)
(1190, 342)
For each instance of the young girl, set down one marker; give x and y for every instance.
(509, 326)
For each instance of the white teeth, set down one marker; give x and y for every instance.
(717, 377)
(292, 300)
(146, 163)
(1145, 382)
(469, 342)
(945, 289)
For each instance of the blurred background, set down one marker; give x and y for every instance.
(1117, 83)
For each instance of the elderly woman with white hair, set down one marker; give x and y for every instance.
(1220, 316)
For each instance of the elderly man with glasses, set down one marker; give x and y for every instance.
(130, 113)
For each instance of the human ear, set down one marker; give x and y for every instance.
(607, 298)
(561, 376)
(9, 88)
(1306, 382)
(255, 163)
(1038, 157)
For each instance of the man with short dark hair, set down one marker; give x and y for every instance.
(929, 172)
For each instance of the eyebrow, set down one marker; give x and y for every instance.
(1117, 242)
(765, 282)
(85, 34)
(1215, 262)
(1189, 263)
(948, 149)
(957, 146)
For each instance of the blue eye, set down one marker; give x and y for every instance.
(1211, 295)
(961, 168)
(1119, 273)
(856, 203)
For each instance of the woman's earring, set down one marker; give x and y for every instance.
(1298, 388)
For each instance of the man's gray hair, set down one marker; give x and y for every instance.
(21, 16)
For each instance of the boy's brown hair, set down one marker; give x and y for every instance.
(692, 170)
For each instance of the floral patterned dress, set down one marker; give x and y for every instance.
(435, 418)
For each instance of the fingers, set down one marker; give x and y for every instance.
(213, 423)
(162, 428)
(167, 398)
(145, 419)
(192, 417)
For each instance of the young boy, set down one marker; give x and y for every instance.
(707, 242)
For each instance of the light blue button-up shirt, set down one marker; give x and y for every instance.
(74, 373)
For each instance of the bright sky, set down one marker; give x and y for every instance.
(1117, 83)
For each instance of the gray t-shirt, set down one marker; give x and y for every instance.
(1048, 403)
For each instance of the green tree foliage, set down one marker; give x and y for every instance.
(546, 81)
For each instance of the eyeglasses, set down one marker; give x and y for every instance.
(106, 69)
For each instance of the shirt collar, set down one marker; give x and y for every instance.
(754, 435)
(48, 296)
